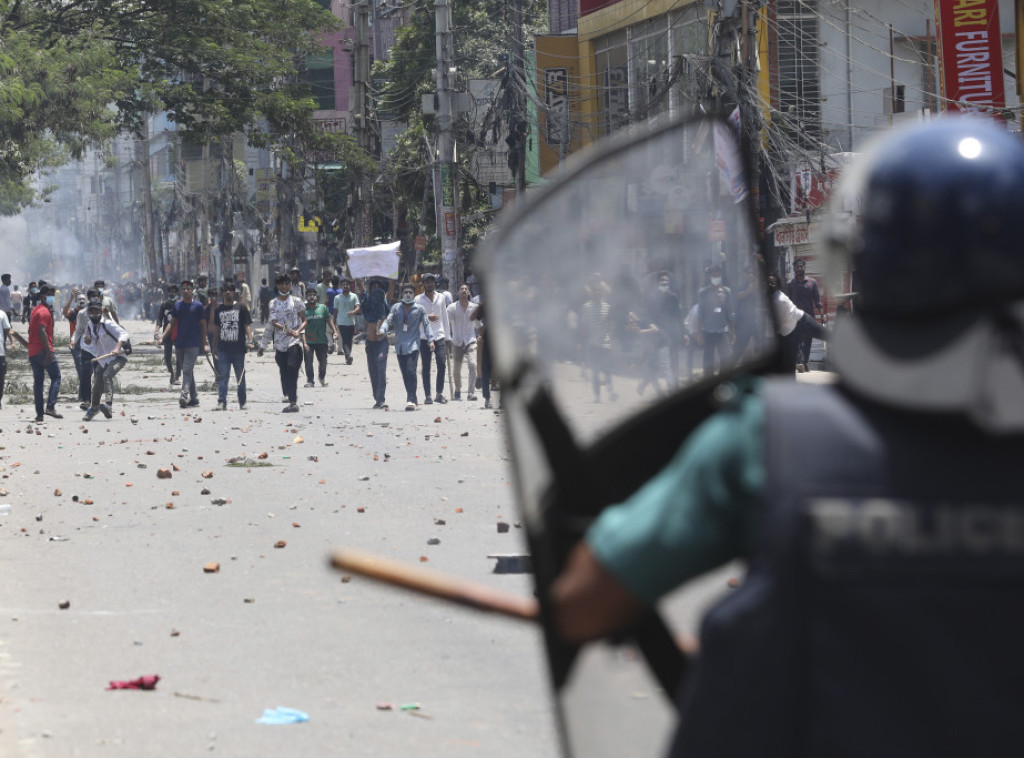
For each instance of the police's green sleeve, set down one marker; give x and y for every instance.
(695, 514)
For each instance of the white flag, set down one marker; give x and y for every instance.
(379, 260)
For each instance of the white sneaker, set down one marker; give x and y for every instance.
(410, 406)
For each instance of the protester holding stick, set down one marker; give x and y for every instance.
(109, 340)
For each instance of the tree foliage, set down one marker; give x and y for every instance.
(482, 30)
(71, 73)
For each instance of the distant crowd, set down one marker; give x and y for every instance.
(303, 323)
(615, 326)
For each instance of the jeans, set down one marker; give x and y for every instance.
(467, 353)
(346, 332)
(229, 358)
(657, 365)
(3, 375)
(485, 370)
(288, 364)
(85, 377)
(407, 363)
(103, 380)
(439, 358)
(83, 370)
(807, 329)
(599, 358)
(188, 356)
(38, 368)
(377, 364)
(320, 351)
(171, 361)
(713, 341)
(803, 341)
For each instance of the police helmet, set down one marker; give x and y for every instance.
(941, 219)
(931, 222)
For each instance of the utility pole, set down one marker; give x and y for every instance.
(518, 79)
(749, 105)
(361, 23)
(204, 245)
(286, 254)
(448, 223)
(142, 155)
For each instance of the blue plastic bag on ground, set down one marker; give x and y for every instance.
(282, 715)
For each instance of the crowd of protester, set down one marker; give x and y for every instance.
(641, 328)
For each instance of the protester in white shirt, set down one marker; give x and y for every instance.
(5, 330)
(791, 321)
(436, 307)
(463, 340)
(82, 342)
(109, 304)
(17, 302)
(787, 315)
(109, 340)
(286, 327)
(5, 296)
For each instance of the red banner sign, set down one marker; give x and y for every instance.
(970, 54)
(810, 190)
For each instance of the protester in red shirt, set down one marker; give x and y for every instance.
(41, 356)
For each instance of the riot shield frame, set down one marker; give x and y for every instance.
(587, 479)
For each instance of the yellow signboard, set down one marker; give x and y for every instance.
(309, 223)
(558, 87)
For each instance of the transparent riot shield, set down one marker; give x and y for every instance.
(619, 303)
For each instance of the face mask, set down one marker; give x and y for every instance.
(716, 280)
(663, 287)
(407, 298)
(34, 290)
(283, 293)
(49, 299)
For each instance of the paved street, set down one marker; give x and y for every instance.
(91, 524)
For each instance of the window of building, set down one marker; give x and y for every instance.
(319, 75)
(799, 78)
(648, 49)
(613, 80)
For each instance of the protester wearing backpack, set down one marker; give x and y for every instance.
(112, 347)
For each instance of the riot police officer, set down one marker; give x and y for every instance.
(882, 612)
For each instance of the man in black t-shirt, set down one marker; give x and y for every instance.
(163, 318)
(232, 336)
(266, 295)
(803, 291)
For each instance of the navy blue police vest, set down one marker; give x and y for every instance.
(883, 612)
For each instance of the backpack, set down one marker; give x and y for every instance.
(126, 348)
